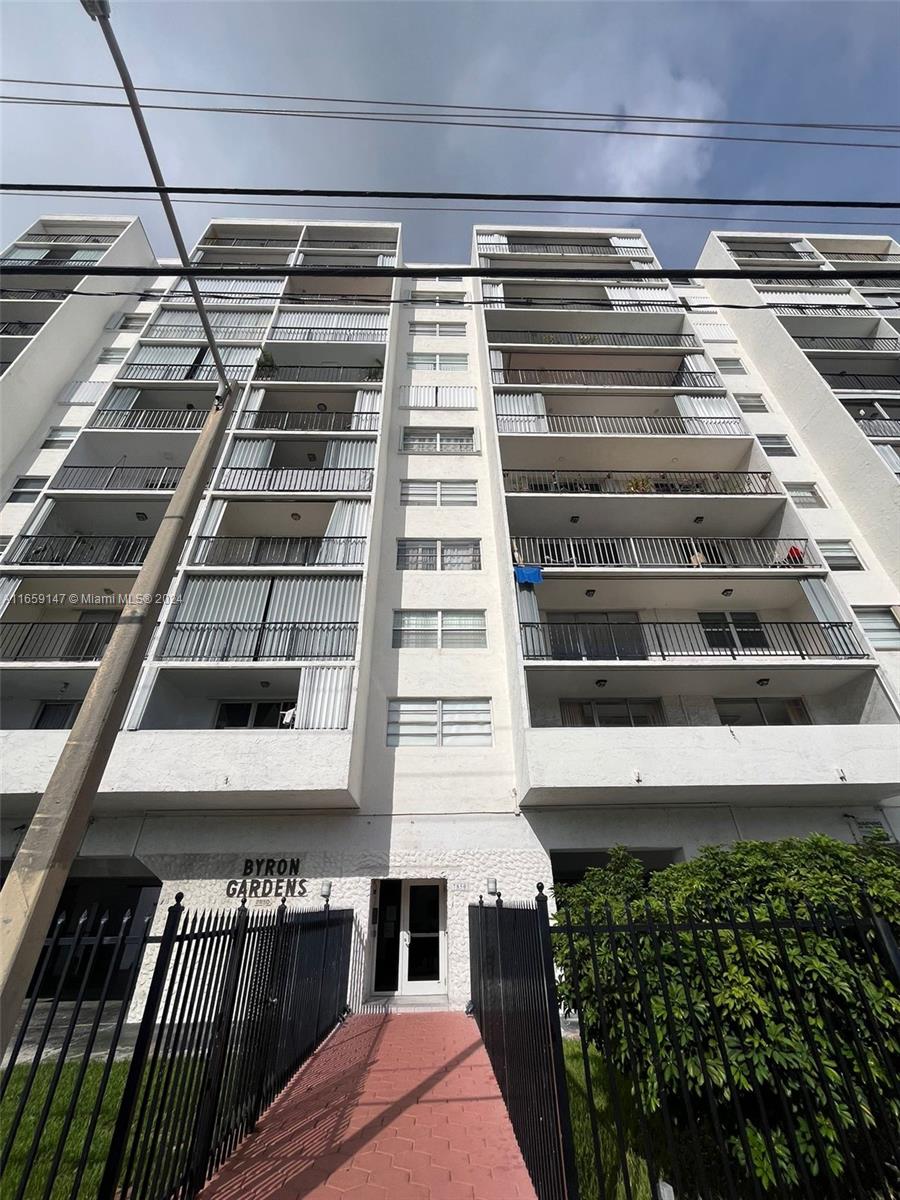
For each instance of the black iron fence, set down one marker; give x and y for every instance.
(63, 641)
(81, 550)
(279, 551)
(643, 483)
(215, 641)
(105, 1097)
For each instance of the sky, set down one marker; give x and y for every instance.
(824, 60)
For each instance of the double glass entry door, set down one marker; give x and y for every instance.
(409, 924)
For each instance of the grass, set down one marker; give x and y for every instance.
(64, 1176)
(610, 1162)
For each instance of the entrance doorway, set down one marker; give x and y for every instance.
(409, 925)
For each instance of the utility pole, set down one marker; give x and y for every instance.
(32, 891)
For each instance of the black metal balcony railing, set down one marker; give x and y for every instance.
(213, 641)
(888, 256)
(131, 479)
(211, 243)
(347, 244)
(713, 553)
(20, 328)
(56, 641)
(689, 639)
(148, 418)
(891, 344)
(182, 372)
(772, 252)
(309, 420)
(34, 294)
(879, 427)
(821, 310)
(666, 304)
(296, 479)
(653, 483)
(79, 550)
(582, 248)
(552, 377)
(863, 383)
(321, 374)
(672, 426)
(74, 239)
(325, 333)
(10, 262)
(241, 333)
(279, 551)
(332, 298)
(595, 337)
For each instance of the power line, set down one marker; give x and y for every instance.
(655, 216)
(377, 194)
(538, 113)
(455, 123)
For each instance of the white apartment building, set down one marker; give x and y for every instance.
(490, 577)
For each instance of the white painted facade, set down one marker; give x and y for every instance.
(591, 426)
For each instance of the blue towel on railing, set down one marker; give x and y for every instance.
(529, 575)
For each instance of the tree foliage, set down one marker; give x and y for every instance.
(743, 994)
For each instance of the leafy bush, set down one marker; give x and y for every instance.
(742, 996)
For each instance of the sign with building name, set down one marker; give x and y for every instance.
(266, 878)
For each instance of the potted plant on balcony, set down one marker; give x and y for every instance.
(639, 483)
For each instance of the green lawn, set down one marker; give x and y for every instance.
(75, 1140)
(606, 1130)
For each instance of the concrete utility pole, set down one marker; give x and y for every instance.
(32, 891)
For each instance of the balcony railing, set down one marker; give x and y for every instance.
(309, 420)
(821, 310)
(667, 305)
(582, 248)
(347, 244)
(879, 427)
(214, 641)
(148, 418)
(592, 337)
(242, 333)
(849, 343)
(34, 294)
(79, 550)
(863, 383)
(20, 328)
(654, 483)
(332, 298)
(74, 239)
(688, 639)
(279, 243)
(128, 479)
(182, 372)
(712, 554)
(321, 374)
(551, 377)
(888, 256)
(589, 423)
(279, 551)
(325, 333)
(296, 479)
(54, 641)
(772, 252)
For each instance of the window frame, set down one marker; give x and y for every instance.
(60, 443)
(863, 610)
(439, 500)
(654, 701)
(440, 434)
(817, 500)
(23, 492)
(112, 356)
(439, 628)
(735, 367)
(283, 706)
(759, 702)
(439, 559)
(850, 561)
(438, 723)
(449, 363)
(783, 447)
(761, 407)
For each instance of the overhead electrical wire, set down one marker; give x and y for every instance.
(383, 194)
(425, 119)
(644, 215)
(536, 113)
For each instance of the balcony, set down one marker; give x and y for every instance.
(73, 239)
(349, 244)
(182, 372)
(79, 550)
(888, 344)
(212, 243)
(326, 333)
(320, 374)
(821, 310)
(637, 483)
(667, 640)
(309, 421)
(224, 330)
(846, 382)
(54, 641)
(20, 328)
(553, 377)
(253, 641)
(593, 337)
(171, 419)
(34, 294)
(585, 423)
(296, 479)
(880, 427)
(279, 551)
(773, 252)
(667, 553)
(888, 256)
(122, 479)
(581, 249)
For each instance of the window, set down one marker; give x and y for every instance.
(417, 440)
(840, 555)
(55, 714)
(437, 362)
(437, 298)
(256, 714)
(450, 629)
(437, 328)
(59, 436)
(611, 714)
(441, 395)
(133, 321)
(27, 488)
(113, 354)
(733, 630)
(424, 554)
(880, 626)
(439, 723)
(776, 445)
(440, 279)
(729, 366)
(433, 492)
(805, 495)
(750, 402)
(774, 711)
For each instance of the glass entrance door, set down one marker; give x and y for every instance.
(423, 968)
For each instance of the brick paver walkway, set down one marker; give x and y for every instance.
(393, 1107)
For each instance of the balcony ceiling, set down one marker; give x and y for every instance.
(737, 516)
(690, 677)
(618, 452)
(695, 594)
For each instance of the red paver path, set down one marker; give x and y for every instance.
(393, 1107)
